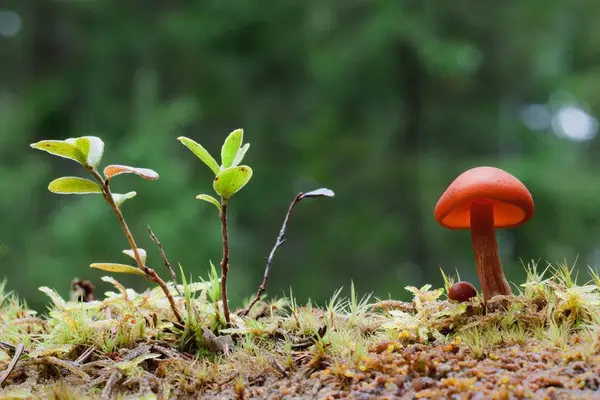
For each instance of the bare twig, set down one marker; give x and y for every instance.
(226, 381)
(85, 355)
(8, 348)
(114, 377)
(137, 352)
(151, 275)
(225, 260)
(164, 258)
(13, 363)
(97, 364)
(168, 353)
(280, 368)
(280, 241)
(75, 370)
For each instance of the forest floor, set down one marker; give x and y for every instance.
(543, 342)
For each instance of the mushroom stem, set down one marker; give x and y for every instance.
(485, 247)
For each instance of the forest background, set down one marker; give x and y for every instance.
(384, 102)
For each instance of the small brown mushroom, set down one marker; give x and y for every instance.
(462, 292)
(483, 199)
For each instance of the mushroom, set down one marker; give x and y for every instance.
(462, 292)
(483, 199)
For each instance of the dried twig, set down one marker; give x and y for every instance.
(169, 353)
(164, 258)
(85, 355)
(110, 384)
(75, 370)
(97, 380)
(226, 381)
(97, 364)
(8, 348)
(136, 352)
(280, 368)
(280, 241)
(151, 275)
(13, 363)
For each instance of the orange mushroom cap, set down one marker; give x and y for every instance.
(512, 202)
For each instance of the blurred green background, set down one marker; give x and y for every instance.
(385, 102)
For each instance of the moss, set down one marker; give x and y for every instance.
(544, 339)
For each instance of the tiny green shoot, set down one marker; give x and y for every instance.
(229, 178)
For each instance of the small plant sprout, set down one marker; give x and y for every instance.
(230, 177)
(88, 151)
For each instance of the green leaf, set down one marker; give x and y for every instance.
(231, 180)
(122, 198)
(231, 147)
(240, 155)
(121, 268)
(114, 170)
(60, 148)
(73, 185)
(91, 147)
(210, 199)
(201, 153)
(141, 252)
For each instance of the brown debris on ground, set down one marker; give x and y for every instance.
(542, 343)
(389, 370)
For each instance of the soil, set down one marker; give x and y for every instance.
(422, 372)
(388, 371)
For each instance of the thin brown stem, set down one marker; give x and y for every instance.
(323, 192)
(163, 255)
(117, 210)
(150, 273)
(225, 260)
(485, 247)
(280, 240)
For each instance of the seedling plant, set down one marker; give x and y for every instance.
(87, 151)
